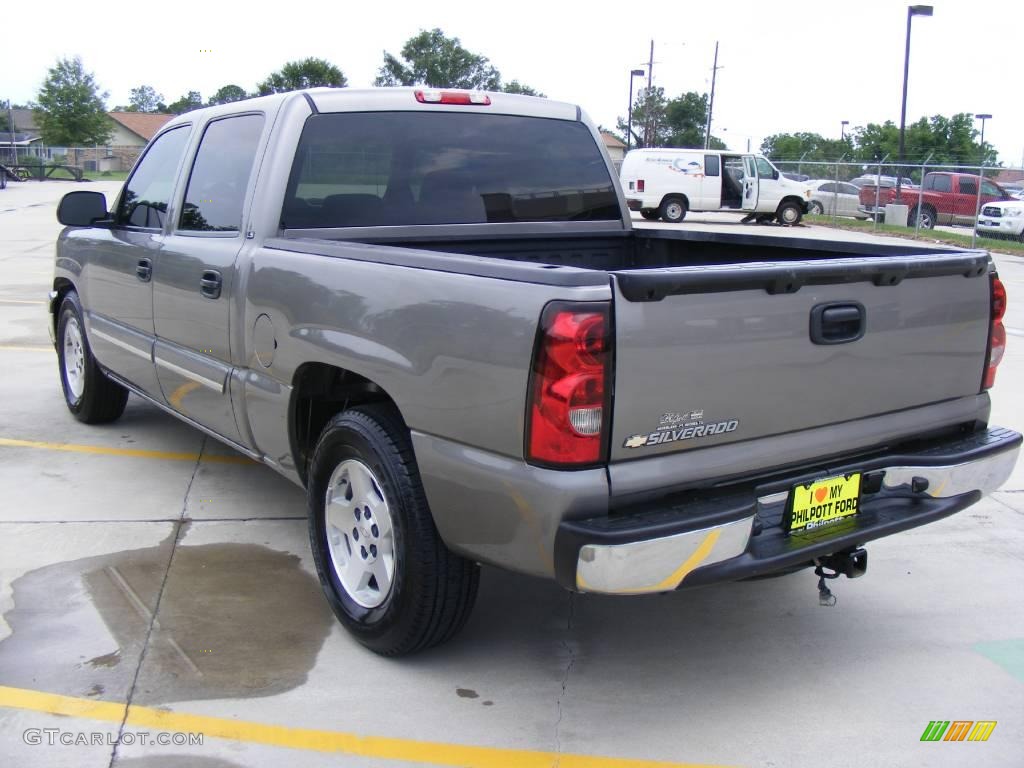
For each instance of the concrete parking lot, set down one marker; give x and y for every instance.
(152, 581)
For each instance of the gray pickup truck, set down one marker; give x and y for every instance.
(430, 309)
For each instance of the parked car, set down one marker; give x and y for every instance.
(430, 309)
(886, 181)
(1002, 219)
(796, 176)
(946, 198)
(841, 198)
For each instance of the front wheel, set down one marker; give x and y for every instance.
(789, 213)
(673, 209)
(384, 569)
(91, 396)
(925, 218)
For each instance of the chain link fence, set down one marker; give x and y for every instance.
(963, 204)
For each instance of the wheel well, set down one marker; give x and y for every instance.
(62, 286)
(672, 195)
(319, 391)
(791, 199)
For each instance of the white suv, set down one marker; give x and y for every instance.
(1002, 219)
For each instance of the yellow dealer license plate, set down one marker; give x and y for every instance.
(824, 502)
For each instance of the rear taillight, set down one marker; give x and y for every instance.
(996, 333)
(570, 389)
(639, 185)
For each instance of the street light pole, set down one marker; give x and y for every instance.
(629, 120)
(842, 129)
(981, 179)
(912, 11)
(983, 118)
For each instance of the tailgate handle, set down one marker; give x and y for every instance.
(837, 323)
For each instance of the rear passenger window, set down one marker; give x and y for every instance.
(829, 188)
(148, 191)
(711, 165)
(220, 175)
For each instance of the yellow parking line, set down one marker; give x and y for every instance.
(179, 393)
(133, 452)
(25, 348)
(376, 747)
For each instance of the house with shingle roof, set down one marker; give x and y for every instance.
(135, 129)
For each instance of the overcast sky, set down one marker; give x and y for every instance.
(786, 66)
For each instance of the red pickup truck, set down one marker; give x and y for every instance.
(946, 198)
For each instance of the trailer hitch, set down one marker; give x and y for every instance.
(851, 563)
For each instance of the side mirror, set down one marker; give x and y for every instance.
(82, 209)
(775, 175)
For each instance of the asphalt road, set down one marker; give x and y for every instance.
(141, 562)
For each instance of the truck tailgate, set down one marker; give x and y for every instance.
(718, 354)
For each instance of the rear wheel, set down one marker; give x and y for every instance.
(649, 213)
(91, 396)
(789, 213)
(925, 218)
(673, 209)
(387, 575)
(816, 208)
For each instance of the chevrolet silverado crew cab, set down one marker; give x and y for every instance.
(430, 310)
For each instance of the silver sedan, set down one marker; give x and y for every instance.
(839, 197)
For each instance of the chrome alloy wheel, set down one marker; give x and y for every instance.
(74, 358)
(360, 536)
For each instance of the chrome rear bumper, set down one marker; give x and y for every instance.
(688, 540)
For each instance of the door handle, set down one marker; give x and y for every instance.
(838, 322)
(210, 284)
(144, 270)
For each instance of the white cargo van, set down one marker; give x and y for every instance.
(666, 183)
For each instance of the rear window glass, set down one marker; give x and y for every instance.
(399, 168)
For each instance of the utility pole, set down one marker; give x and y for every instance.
(648, 128)
(711, 103)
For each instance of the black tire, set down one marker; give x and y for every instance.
(926, 215)
(650, 214)
(816, 208)
(673, 209)
(789, 213)
(432, 590)
(94, 398)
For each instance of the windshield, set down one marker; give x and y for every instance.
(401, 168)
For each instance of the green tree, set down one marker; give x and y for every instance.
(662, 122)
(145, 99)
(516, 87)
(432, 59)
(307, 73)
(70, 110)
(809, 146)
(227, 94)
(188, 102)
